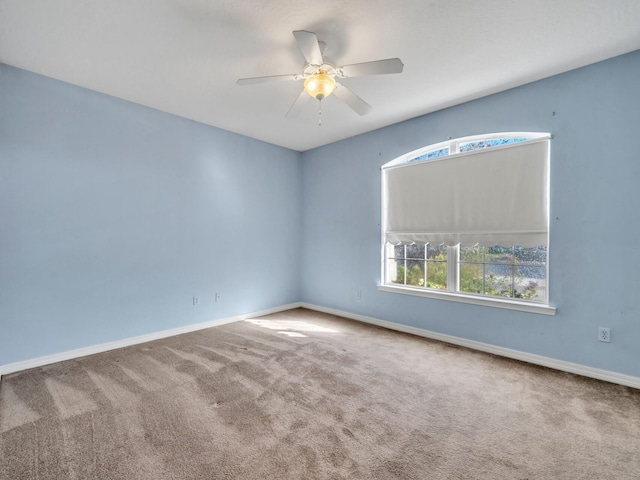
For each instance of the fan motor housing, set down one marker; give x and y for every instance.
(326, 69)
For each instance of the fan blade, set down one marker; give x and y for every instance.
(308, 45)
(379, 67)
(269, 79)
(355, 102)
(294, 111)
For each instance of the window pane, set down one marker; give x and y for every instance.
(418, 158)
(436, 252)
(472, 278)
(441, 152)
(415, 273)
(416, 251)
(499, 254)
(530, 256)
(472, 254)
(437, 266)
(530, 283)
(492, 142)
(466, 147)
(437, 275)
(498, 280)
(512, 272)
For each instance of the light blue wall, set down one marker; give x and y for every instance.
(595, 204)
(113, 216)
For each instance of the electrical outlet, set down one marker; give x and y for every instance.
(604, 334)
(358, 294)
(218, 297)
(196, 301)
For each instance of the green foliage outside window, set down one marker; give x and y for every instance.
(471, 281)
(436, 272)
(509, 272)
(499, 271)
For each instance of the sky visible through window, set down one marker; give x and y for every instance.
(493, 142)
(467, 147)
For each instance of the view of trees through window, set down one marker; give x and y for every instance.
(510, 272)
(513, 272)
(420, 265)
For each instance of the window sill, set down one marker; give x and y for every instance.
(484, 301)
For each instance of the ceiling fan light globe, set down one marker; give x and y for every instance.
(319, 86)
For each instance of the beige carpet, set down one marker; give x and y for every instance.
(304, 395)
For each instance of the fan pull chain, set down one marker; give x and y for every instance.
(319, 112)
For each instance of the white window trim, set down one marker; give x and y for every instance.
(460, 297)
(449, 294)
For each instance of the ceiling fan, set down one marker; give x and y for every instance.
(320, 72)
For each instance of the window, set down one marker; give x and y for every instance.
(418, 265)
(467, 220)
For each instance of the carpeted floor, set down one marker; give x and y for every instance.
(304, 395)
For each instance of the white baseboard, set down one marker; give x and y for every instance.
(606, 375)
(103, 347)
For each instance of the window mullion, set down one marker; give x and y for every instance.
(425, 263)
(453, 268)
(404, 259)
(484, 270)
(513, 271)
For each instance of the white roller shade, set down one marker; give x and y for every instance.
(498, 195)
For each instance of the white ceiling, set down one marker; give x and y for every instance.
(184, 56)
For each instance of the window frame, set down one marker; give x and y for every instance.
(452, 293)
